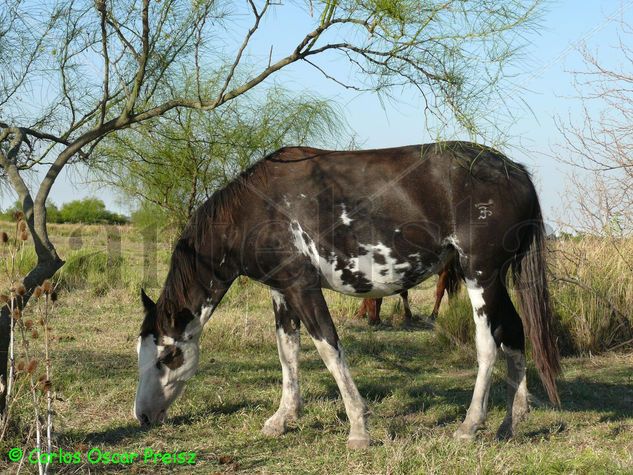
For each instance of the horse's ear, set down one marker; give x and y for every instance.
(148, 303)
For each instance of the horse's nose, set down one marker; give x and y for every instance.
(144, 420)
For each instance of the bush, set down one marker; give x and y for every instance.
(86, 211)
(89, 211)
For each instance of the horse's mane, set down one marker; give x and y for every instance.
(220, 209)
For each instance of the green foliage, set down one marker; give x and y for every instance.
(87, 211)
(52, 214)
(171, 166)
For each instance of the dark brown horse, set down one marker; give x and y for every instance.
(369, 224)
(448, 281)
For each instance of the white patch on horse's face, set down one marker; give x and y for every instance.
(344, 217)
(279, 301)
(376, 264)
(159, 384)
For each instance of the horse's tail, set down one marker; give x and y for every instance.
(529, 275)
(453, 278)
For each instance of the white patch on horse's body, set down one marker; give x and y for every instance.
(279, 301)
(379, 267)
(288, 346)
(307, 247)
(486, 356)
(453, 241)
(355, 408)
(205, 313)
(344, 217)
(376, 264)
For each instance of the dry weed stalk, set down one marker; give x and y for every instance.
(23, 375)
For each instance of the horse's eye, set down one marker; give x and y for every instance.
(172, 358)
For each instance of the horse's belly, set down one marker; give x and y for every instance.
(371, 271)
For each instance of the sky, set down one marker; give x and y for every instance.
(543, 79)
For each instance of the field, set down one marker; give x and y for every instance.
(416, 385)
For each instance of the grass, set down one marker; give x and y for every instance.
(416, 384)
(417, 391)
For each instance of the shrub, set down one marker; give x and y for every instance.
(89, 211)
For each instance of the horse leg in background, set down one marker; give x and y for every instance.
(408, 316)
(440, 288)
(311, 307)
(288, 345)
(363, 310)
(373, 315)
(370, 308)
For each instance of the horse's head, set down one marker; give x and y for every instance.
(167, 358)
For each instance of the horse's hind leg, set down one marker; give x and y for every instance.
(311, 307)
(373, 313)
(484, 313)
(513, 346)
(288, 345)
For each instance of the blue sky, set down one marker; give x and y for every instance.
(544, 82)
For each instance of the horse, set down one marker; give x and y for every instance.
(447, 282)
(369, 224)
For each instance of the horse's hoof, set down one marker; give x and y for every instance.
(356, 444)
(505, 432)
(464, 435)
(273, 428)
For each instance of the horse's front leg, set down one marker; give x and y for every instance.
(288, 345)
(312, 309)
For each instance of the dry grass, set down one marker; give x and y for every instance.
(417, 390)
(417, 387)
(592, 290)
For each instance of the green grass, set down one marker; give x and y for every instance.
(416, 389)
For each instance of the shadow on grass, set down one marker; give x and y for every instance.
(115, 435)
(613, 399)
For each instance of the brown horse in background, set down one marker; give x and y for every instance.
(448, 282)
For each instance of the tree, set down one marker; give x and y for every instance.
(72, 72)
(599, 146)
(169, 167)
